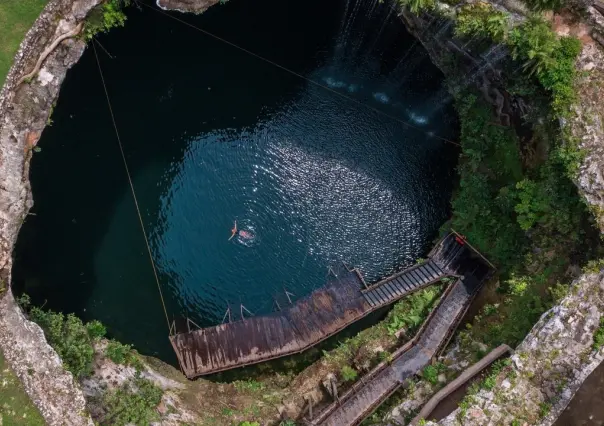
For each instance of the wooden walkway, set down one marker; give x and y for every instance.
(374, 388)
(310, 320)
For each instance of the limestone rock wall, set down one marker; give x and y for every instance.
(24, 111)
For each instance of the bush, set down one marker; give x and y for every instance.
(72, 340)
(348, 373)
(482, 19)
(559, 78)
(104, 17)
(539, 5)
(599, 336)
(135, 402)
(96, 330)
(534, 43)
(412, 311)
(430, 373)
(417, 6)
(123, 354)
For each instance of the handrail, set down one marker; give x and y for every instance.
(464, 377)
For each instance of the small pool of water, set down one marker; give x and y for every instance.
(213, 135)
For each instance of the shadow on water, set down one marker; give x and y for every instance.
(213, 135)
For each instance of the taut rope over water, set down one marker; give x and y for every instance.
(138, 211)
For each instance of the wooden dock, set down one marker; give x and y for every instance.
(374, 388)
(310, 320)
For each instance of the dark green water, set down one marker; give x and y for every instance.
(213, 135)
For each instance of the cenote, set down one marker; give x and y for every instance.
(214, 135)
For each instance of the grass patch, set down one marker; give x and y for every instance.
(16, 17)
(15, 406)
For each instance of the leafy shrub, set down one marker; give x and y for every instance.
(560, 77)
(249, 424)
(135, 402)
(411, 312)
(599, 336)
(482, 19)
(348, 373)
(96, 329)
(123, 354)
(104, 17)
(533, 205)
(430, 373)
(417, 6)
(544, 4)
(72, 340)
(534, 43)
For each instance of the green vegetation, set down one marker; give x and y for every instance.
(123, 354)
(599, 336)
(348, 373)
(550, 59)
(69, 336)
(431, 372)
(249, 424)
(544, 4)
(411, 313)
(16, 409)
(135, 402)
(522, 212)
(417, 6)
(16, 17)
(483, 20)
(104, 17)
(248, 385)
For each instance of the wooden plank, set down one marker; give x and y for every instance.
(395, 288)
(422, 271)
(408, 283)
(380, 292)
(392, 289)
(369, 299)
(411, 279)
(432, 269)
(403, 284)
(418, 278)
(378, 298)
(383, 292)
(388, 289)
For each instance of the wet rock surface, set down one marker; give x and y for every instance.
(190, 6)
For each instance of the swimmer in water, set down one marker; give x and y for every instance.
(245, 234)
(233, 231)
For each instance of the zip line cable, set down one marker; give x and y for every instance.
(262, 58)
(138, 211)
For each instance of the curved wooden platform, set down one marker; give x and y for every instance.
(310, 320)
